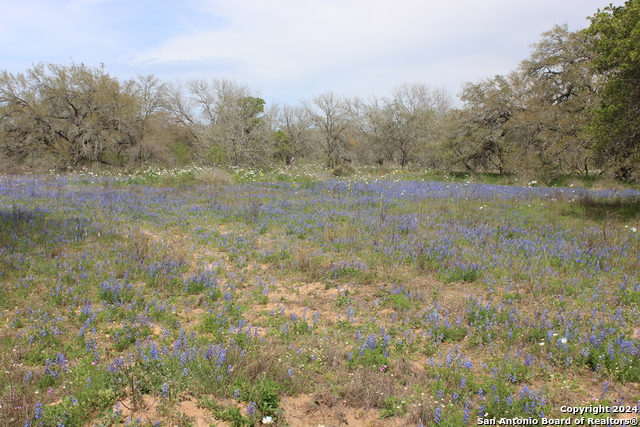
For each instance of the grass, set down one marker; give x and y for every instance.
(281, 296)
(607, 208)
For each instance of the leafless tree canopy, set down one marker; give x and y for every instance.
(533, 120)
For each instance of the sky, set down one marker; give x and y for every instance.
(288, 50)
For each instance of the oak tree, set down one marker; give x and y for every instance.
(616, 122)
(74, 111)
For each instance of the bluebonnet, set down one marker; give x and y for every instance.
(437, 414)
(39, 411)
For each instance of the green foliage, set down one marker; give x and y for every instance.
(128, 334)
(182, 152)
(629, 297)
(372, 358)
(264, 392)
(216, 156)
(479, 314)
(351, 273)
(232, 415)
(116, 293)
(100, 393)
(502, 403)
(606, 209)
(616, 123)
(343, 300)
(393, 407)
(252, 106)
(400, 302)
(283, 148)
(261, 395)
(149, 177)
(618, 43)
(277, 257)
(303, 181)
(67, 413)
(451, 333)
(300, 327)
(609, 357)
(460, 274)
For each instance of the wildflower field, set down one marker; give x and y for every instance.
(280, 299)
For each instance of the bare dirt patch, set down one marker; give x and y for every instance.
(312, 411)
(201, 417)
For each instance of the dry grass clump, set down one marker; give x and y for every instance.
(343, 170)
(368, 388)
(141, 245)
(309, 265)
(214, 177)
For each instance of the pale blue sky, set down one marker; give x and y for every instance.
(288, 49)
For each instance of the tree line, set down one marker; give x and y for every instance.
(572, 107)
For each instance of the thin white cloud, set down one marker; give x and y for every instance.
(291, 41)
(293, 36)
(289, 48)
